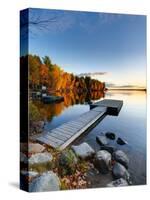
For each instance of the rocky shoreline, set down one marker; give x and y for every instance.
(72, 168)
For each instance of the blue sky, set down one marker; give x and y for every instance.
(111, 45)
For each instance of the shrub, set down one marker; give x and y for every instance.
(67, 162)
(34, 114)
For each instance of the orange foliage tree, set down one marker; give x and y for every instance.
(43, 72)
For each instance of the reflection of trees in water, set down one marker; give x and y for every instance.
(72, 98)
(48, 111)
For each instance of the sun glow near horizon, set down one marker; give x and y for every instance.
(126, 82)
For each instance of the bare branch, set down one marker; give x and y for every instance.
(35, 23)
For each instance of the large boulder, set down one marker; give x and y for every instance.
(110, 135)
(118, 183)
(83, 150)
(67, 162)
(103, 161)
(119, 171)
(47, 182)
(40, 158)
(121, 157)
(35, 148)
(102, 140)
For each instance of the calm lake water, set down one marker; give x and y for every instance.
(129, 125)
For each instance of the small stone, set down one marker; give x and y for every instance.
(118, 183)
(47, 182)
(110, 135)
(83, 150)
(119, 171)
(40, 158)
(103, 161)
(102, 140)
(36, 148)
(121, 141)
(121, 157)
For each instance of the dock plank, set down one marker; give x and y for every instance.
(68, 128)
(76, 124)
(73, 125)
(59, 136)
(64, 135)
(48, 142)
(55, 140)
(61, 132)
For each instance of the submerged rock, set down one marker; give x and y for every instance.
(83, 150)
(119, 171)
(35, 148)
(40, 158)
(121, 157)
(103, 161)
(102, 140)
(121, 141)
(47, 182)
(67, 162)
(110, 135)
(118, 183)
(110, 149)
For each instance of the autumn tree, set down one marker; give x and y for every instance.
(47, 62)
(44, 75)
(44, 72)
(34, 63)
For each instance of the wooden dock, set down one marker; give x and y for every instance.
(66, 133)
(113, 106)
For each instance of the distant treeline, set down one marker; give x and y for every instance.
(43, 73)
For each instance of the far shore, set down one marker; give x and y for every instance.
(128, 89)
